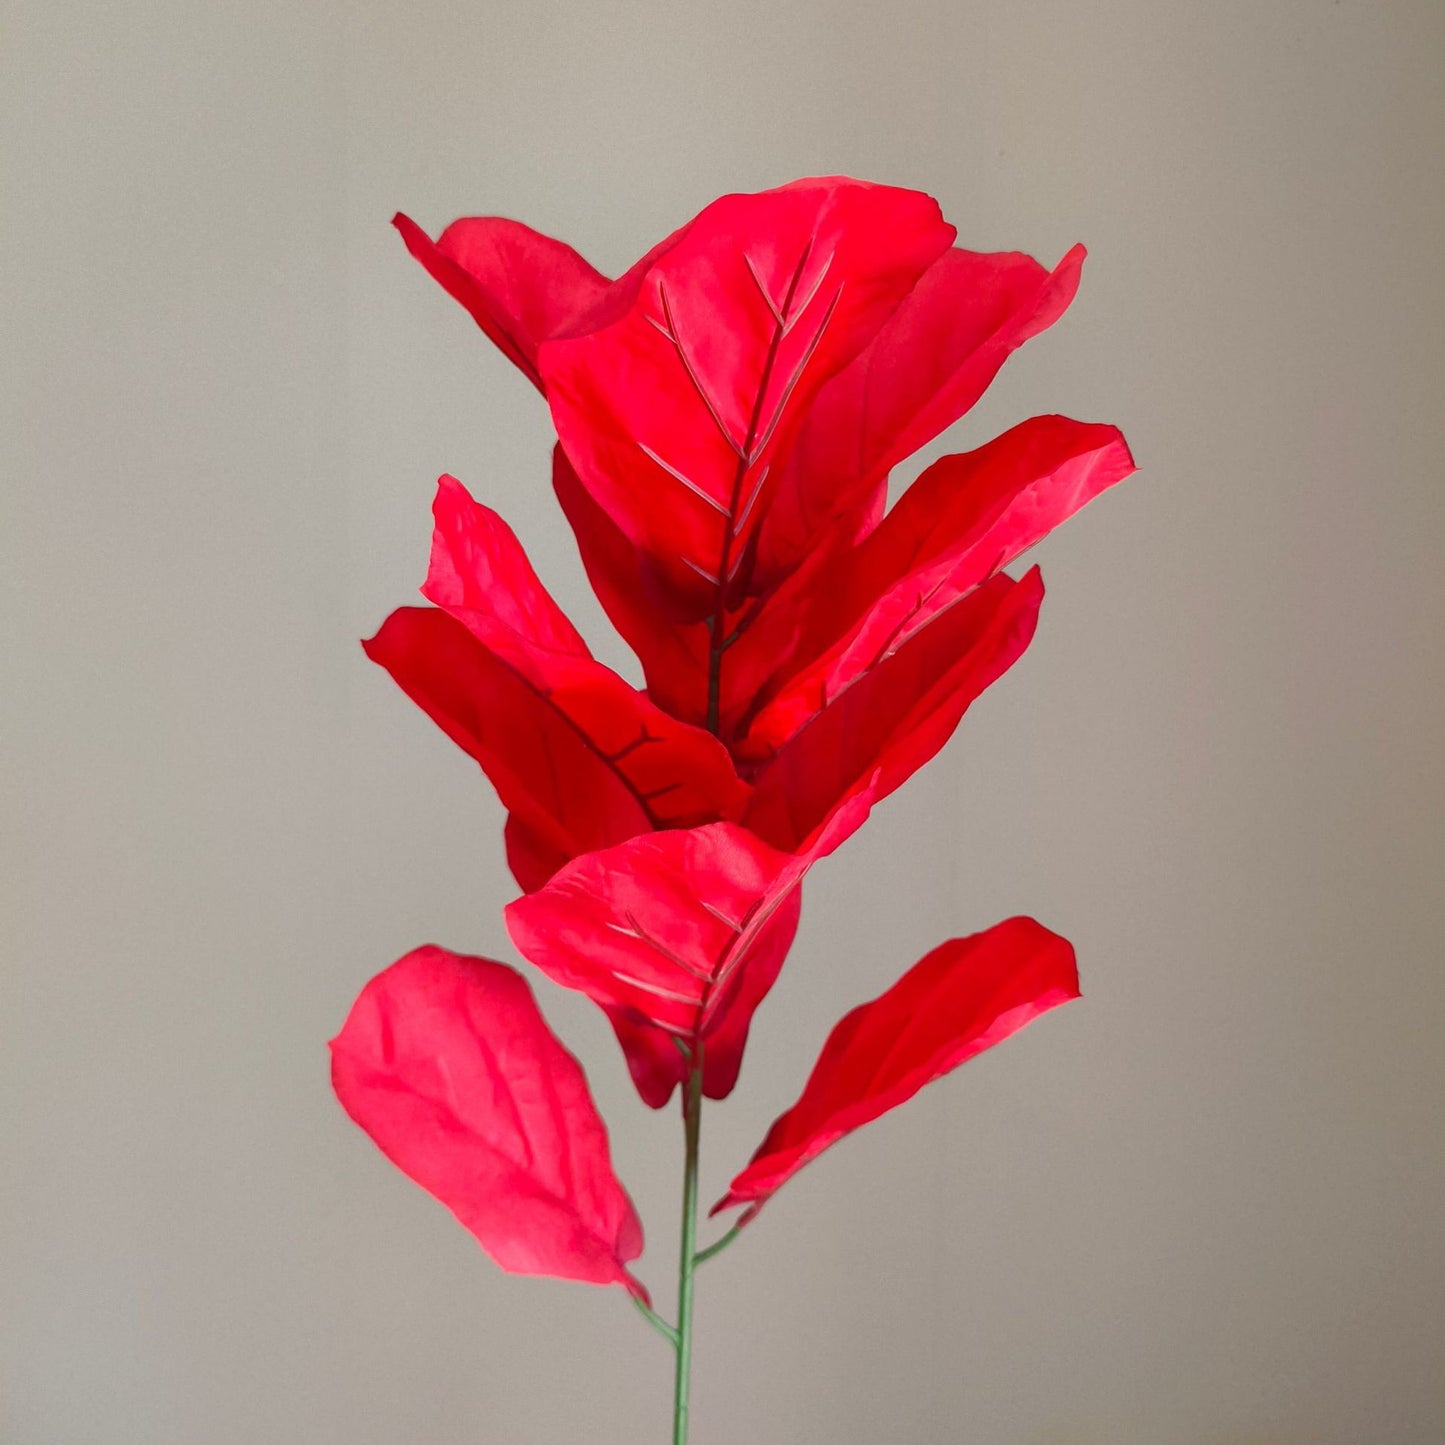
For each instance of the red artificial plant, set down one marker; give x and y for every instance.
(728, 413)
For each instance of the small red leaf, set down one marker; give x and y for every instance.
(479, 573)
(681, 933)
(579, 758)
(446, 1062)
(519, 286)
(655, 1062)
(964, 997)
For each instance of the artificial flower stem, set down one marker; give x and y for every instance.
(656, 1321)
(718, 1245)
(687, 1258)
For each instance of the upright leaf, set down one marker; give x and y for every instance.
(674, 412)
(479, 573)
(580, 759)
(446, 1062)
(924, 369)
(633, 595)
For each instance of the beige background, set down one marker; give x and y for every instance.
(1203, 1207)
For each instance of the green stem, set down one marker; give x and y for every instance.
(687, 1259)
(717, 1246)
(656, 1321)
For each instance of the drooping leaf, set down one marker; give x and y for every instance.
(674, 412)
(446, 1062)
(926, 367)
(681, 932)
(832, 766)
(962, 998)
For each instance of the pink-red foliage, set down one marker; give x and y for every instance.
(728, 414)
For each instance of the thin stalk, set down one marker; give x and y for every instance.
(718, 1245)
(687, 1258)
(656, 1321)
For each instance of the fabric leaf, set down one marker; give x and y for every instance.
(962, 998)
(925, 368)
(446, 1062)
(680, 774)
(519, 285)
(966, 518)
(682, 932)
(674, 412)
(568, 796)
(860, 745)
(632, 593)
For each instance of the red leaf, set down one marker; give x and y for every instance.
(889, 720)
(673, 657)
(519, 286)
(679, 774)
(655, 1062)
(580, 759)
(923, 370)
(479, 573)
(964, 997)
(680, 932)
(674, 412)
(566, 796)
(448, 1065)
(964, 519)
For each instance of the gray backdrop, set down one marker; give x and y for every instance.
(1202, 1207)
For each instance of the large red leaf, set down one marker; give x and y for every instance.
(923, 370)
(682, 933)
(860, 745)
(680, 774)
(674, 412)
(964, 519)
(964, 997)
(449, 1066)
